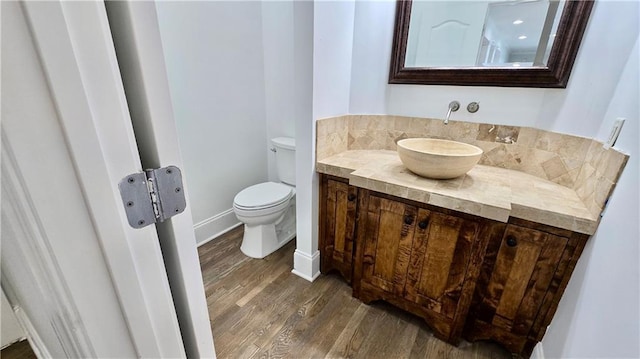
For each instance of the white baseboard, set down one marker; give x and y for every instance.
(538, 352)
(305, 266)
(212, 227)
(35, 341)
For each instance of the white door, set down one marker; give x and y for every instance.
(445, 33)
(136, 34)
(84, 283)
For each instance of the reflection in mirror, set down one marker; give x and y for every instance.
(499, 43)
(495, 33)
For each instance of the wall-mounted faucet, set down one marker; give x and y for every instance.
(453, 107)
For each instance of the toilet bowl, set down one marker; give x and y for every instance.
(268, 209)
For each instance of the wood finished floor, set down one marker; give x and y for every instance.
(259, 309)
(19, 350)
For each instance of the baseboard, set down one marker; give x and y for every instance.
(305, 266)
(14, 341)
(538, 352)
(213, 227)
(35, 341)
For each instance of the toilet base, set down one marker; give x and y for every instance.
(260, 241)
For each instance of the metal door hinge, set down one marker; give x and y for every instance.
(152, 196)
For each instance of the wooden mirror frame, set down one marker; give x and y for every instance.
(573, 22)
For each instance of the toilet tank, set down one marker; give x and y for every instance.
(285, 159)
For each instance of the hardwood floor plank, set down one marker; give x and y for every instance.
(246, 277)
(317, 335)
(292, 312)
(419, 347)
(248, 351)
(259, 319)
(382, 343)
(402, 349)
(282, 267)
(344, 345)
(18, 350)
(259, 309)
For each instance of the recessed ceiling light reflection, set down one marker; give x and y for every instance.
(522, 37)
(518, 22)
(516, 64)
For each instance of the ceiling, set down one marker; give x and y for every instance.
(532, 13)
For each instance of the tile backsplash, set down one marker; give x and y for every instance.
(578, 163)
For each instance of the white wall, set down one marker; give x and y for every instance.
(609, 39)
(10, 331)
(333, 42)
(214, 57)
(230, 73)
(598, 316)
(278, 48)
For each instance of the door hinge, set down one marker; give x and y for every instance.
(152, 196)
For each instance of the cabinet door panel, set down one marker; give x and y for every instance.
(443, 235)
(547, 266)
(458, 271)
(344, 211)
(523, 270)
(559, 281)
(520, 271)
(338, 227)
(444, 262)
(417, 260)
(388, 243)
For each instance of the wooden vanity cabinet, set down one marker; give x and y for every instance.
(522, 279)
(466, 276)
(420, 258)
(338, 204)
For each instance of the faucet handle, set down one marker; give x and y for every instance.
(473, 107)
(454, 106)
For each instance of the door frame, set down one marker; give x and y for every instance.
(136, 35)
(76, 52)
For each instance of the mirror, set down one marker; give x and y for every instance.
(515, 43)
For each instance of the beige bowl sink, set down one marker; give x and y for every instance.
(438, 159)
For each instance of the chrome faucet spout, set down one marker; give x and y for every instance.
(446, 119)
(453, 107)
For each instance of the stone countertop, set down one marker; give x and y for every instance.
(488, 192)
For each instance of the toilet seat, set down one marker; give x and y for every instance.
(262, 196)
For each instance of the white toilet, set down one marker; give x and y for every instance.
(268, 209)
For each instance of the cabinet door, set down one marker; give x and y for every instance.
(417, 254)
(388, 238)
(520, 285)
(440, 256)
(518, 273)
(338, 226)
(521, 282)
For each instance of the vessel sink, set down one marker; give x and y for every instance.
(438, 159)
